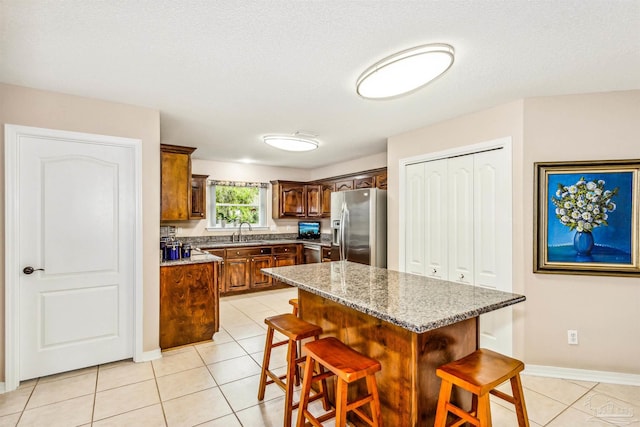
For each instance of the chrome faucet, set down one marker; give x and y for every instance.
(240, 231)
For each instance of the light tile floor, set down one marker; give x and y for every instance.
(215, 384)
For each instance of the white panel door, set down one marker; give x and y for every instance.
(415, 219)
(436, 256)
(76, 202)
(460, 212)
(492, 243)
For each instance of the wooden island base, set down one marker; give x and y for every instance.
(408, 383)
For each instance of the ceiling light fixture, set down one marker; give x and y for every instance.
(291, 143)
(405, 71)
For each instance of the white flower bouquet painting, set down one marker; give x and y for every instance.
(587, 217)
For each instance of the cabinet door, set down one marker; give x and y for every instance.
(415, 219)
(259, 279)
(367, 182)
(175, 182)
(292, 200)
(381, 180)
(436, 196)
(314, 196)
(325, 211)
(343, 185)
(492, 243)
(221, 278)
(187, 293)
(460, 208)
(198, 196)
(237, 274)
(283, 260)
(326, 254)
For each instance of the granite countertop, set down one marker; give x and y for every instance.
(197, 257)
(222, 245)
(413, 302)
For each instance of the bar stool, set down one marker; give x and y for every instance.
(295, 329)
(348, 366)
(294, 303)
(480, 373)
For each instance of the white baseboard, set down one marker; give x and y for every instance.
(583, 375)
(149, 355)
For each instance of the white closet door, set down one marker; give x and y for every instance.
(435, 179)
(414, 227)
(460, 212)
(492, 243)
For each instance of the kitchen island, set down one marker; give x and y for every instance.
(411, 324)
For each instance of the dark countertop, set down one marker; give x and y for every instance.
(413, 302)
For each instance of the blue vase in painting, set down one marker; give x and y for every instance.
(583, 243)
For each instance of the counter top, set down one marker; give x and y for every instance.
(196, 258)
(224, 245)
(413, 302)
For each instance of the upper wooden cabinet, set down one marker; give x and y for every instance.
(289, 199)
(175, 182)
(293, 199)
(296, 199)
(325, 200)
(381, 180)
(344, 184)
(366, 182)
(314, 200)
(199, 196)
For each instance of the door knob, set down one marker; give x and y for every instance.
(30, 270)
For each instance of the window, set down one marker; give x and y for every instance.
(231, 203)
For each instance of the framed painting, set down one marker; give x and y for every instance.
(587, 217)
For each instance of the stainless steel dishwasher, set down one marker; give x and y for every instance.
(311, 253)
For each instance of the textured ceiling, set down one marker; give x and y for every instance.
(223, 73)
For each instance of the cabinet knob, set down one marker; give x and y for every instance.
(237, 252)
(461, 276)
(434, 271)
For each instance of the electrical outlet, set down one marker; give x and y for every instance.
(572, 337)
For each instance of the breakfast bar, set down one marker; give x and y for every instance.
(411, 324)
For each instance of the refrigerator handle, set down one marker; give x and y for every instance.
(343, 223)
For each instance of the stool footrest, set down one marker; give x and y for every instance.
(503, 396)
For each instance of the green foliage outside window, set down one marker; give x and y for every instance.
(238, 204)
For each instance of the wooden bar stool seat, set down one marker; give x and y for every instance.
(295, 329)
(348, 366)
(480, 373)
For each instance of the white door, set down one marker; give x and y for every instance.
(460, 185)
(436, 199)
(492, 243)
(76, 220)
(415, 223)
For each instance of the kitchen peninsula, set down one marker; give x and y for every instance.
(411, 324)
(189, 306)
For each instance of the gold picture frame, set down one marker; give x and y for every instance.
(587, 217)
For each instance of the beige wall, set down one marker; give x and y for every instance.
(30, 107)
(604, 310)
(581, 127)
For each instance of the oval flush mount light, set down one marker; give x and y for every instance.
(291, 143)
(405, 71)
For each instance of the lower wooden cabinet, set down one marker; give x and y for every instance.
(241, 267)
(326, 254)
(189, 304)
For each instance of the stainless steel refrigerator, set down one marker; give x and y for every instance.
(359, 226)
